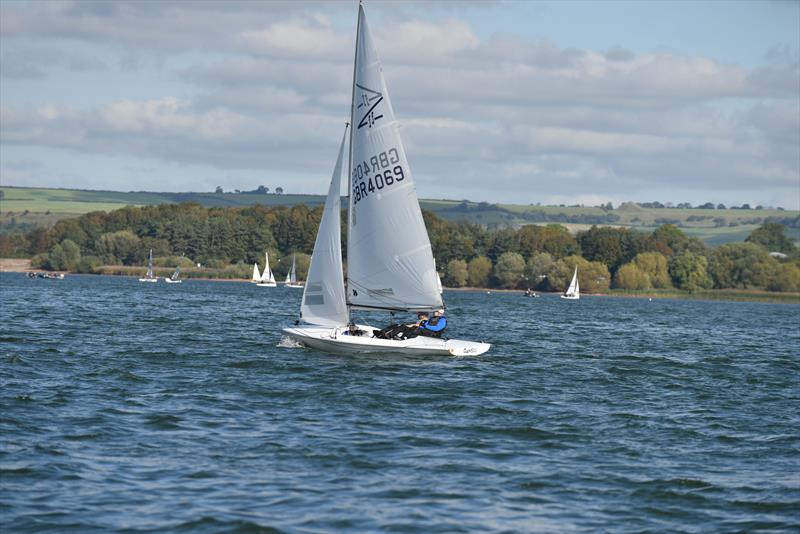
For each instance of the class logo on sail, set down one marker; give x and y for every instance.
(368, 99)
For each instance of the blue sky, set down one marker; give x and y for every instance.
(524, 102)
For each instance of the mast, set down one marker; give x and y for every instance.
(350, 153)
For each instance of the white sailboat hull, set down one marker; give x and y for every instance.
(571, 297)
(267, 284)
(334, 340)
(148, 279)
(294, 286)
(171, 281)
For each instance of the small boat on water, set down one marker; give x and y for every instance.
(390, 265)
(148, 277)
(573, 292)
(174, 278)
(48, 276)
(267, 278)
(291, 276)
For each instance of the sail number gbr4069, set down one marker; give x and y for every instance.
(382, 171)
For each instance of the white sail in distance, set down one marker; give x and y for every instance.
(150, 265)
(323, 296)
(389, 256)
(267, 275)
(256, 274)
(574, 286)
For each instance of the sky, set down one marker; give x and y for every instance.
(524, 102)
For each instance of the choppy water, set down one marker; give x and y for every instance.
(155, 408)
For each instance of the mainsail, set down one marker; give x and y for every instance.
(266, 276)
(176, 274)
(256, 274)
(389, 257)
(323, 296)
(574, 286)
(150, 265)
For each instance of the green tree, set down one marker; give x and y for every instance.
(613, 246)
(457, 273)
(631, 276)
(655, 265)
(55, 258)
(688, 271)
(552, 238)
(670, 239)
(538, 268)
(72, 255)
(120, 246)
(69, 229)
(509, 269)
(786, 277)
(502, 241)
(772, 236)
(480, 268)
(741, 265)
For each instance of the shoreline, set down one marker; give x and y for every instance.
(12, 265)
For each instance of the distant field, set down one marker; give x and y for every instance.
(22, 208)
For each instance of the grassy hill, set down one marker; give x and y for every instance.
(23, 207)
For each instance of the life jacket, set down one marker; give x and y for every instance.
(435, 324)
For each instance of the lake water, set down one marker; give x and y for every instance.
(134, 407)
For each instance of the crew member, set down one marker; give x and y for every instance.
(434, 326)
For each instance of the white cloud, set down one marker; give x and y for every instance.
(267, 88)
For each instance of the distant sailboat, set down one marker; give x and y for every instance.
(174, 278)
(149, 276)
(267, 278)
(573, 292)
(291, 276)
(256, 274)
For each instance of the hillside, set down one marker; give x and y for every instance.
(23, 208)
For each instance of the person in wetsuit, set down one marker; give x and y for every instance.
(434, 326)
(402, 331)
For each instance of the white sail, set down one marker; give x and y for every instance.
(256, 274)
(293, 272)
(574, 287)
(176, 274)
(150, 265)
(389, 257)
(267, 276)
(323, 296)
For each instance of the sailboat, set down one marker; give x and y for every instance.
(291, 276)
(389, 257)
(573, 292)
(256, 274)
(174, 278)
(267, 279)
(149, 276)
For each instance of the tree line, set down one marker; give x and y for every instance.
(539, 257)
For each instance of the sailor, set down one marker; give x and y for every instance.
(434, 326)
(402, 331)
(353, 330)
